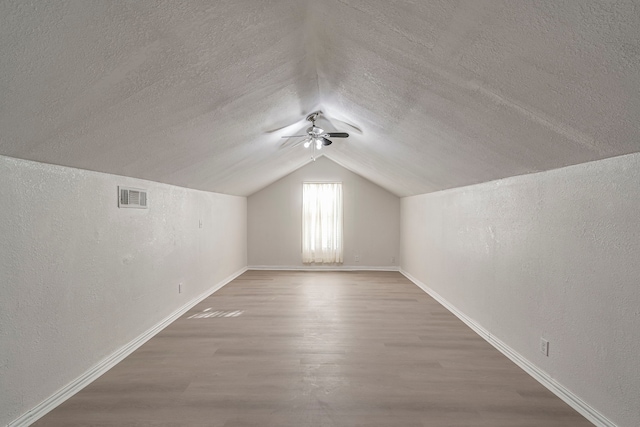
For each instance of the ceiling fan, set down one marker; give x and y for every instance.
(316, 135)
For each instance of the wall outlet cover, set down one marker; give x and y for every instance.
(544, 347)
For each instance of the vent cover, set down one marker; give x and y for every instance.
(132, 198)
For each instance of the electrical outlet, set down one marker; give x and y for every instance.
(393, 260)
(544, 347)
(357, 257)
(200, 224)
(179, 288)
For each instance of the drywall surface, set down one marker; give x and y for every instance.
(80, 278)
(551, 255)
(371, 219)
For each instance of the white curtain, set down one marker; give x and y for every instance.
(322, 222)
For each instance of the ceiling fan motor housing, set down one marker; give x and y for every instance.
(315, 131)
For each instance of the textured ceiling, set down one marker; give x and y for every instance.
(446, 93)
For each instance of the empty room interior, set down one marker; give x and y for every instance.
(320, 213)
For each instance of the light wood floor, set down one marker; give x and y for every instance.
(316, 349)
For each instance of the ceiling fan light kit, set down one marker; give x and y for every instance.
(316, 137)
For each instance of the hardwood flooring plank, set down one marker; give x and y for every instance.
(280, 348)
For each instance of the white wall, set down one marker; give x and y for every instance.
(552, 255)
(80, 278)
(371, 219)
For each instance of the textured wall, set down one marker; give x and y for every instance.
(551, 255)
(80, 278)
(371, 219)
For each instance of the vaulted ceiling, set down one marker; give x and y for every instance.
(198, 93)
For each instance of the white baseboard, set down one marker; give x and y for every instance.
(323, 268)
(538, 374)
(110, 361)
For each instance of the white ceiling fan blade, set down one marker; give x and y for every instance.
(351, 125)
(291, 125)
(329, 125)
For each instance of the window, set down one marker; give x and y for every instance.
(322, 222)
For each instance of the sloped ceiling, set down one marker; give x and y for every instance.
(193, 93)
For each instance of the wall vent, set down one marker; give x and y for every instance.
(132, 198)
